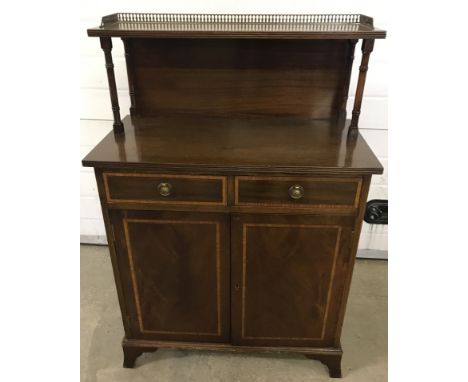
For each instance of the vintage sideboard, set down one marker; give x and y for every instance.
(233, 193)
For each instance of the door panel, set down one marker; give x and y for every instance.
(175, 267)
(288, 277)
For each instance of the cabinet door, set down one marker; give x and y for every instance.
(174, 268)
(288, 278)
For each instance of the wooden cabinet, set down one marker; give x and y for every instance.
(234, 192)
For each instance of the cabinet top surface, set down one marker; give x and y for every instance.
(310, 26)
(235, 145)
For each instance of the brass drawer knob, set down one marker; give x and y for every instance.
(296, 191)
(164, 189)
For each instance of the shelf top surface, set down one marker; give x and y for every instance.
(310, 26)
(235, 145)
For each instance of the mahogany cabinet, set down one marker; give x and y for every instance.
(234, 192)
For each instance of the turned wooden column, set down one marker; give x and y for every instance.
(106, 45)
(367, 47)
(130, 76)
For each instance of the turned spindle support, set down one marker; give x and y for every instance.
(367, 47)
(106, 45)
(130, 75)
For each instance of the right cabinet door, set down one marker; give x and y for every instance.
(289, 276)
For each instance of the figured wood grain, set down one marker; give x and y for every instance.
(176, 285)
(208, 77)
(217, 145)
(135, 279)
(297, 228)
(287, 278)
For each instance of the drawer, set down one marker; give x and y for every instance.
(297, 191)
(164, 188)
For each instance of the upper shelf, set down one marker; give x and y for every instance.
(332, 26)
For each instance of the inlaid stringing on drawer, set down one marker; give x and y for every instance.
(297, 191)
(152, 188)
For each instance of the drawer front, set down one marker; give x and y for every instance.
(297, 191)
(165, 189)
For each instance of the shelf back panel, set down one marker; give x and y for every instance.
(223, 77)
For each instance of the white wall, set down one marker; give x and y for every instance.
(96, 114)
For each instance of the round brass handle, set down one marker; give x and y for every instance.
(164, 189)
(296, 191)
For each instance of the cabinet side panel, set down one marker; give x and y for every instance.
(240, 77)
(351, 258)
(108, 222)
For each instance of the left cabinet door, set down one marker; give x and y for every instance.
(174, 268)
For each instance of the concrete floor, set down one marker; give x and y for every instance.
(364, 338)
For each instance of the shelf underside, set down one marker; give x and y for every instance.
(333, 26)
(235, 145)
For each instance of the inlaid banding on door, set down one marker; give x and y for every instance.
(244, 278)
(136, 294)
